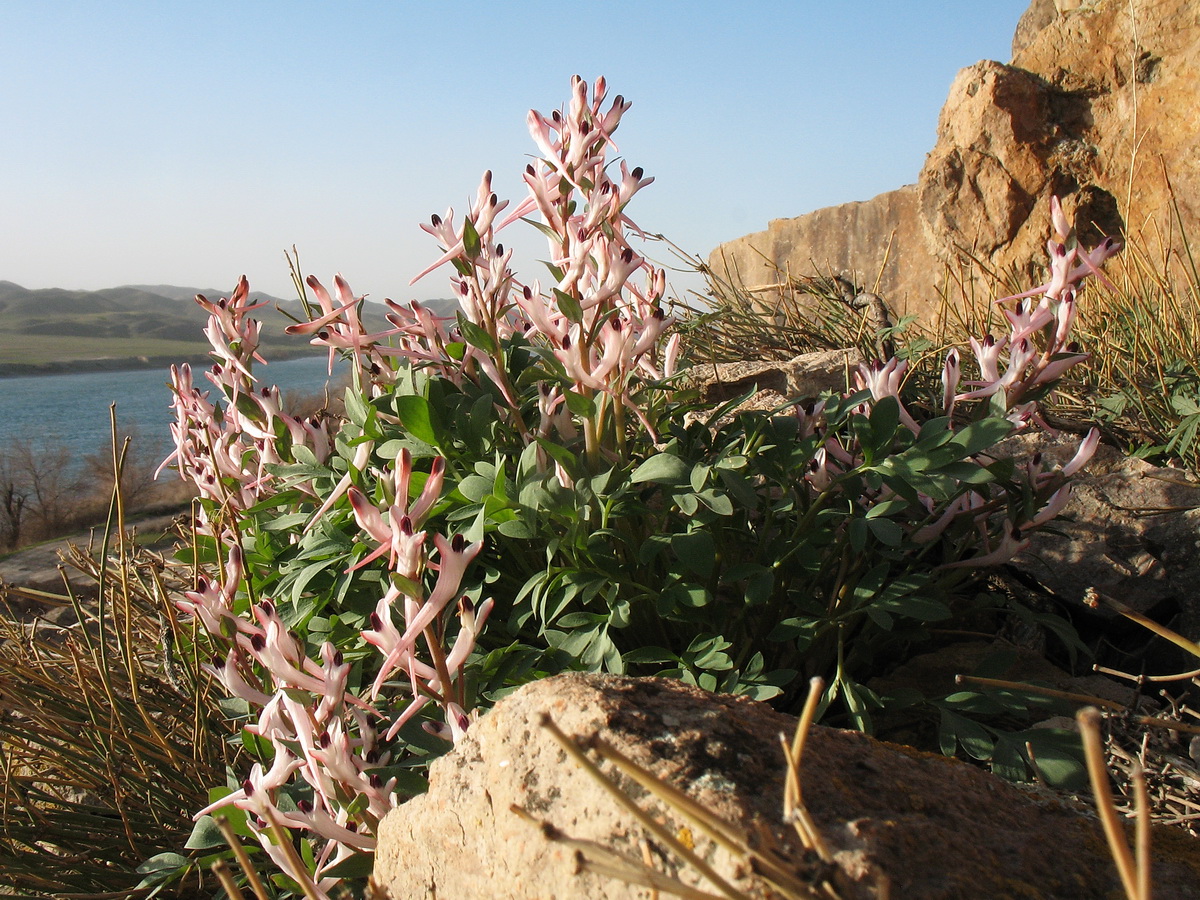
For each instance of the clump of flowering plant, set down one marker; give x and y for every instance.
(533, 464)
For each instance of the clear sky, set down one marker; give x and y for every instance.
(190, 142)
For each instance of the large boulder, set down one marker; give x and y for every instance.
(929, 827)
(1097, 104)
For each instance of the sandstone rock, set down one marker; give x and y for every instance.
(882, 235)
(1098, 102)
(935, 828)
(1131, 531)
(802, 378)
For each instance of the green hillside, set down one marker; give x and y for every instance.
(53, 329)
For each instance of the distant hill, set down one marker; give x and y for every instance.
(132, 326)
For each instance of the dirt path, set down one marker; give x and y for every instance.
(36, 567)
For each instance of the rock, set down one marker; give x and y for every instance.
(882, 235)
(1131, 531)
(804, 377)
(1098, 102)
(934, 828)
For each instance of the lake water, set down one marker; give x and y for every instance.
(73, 409)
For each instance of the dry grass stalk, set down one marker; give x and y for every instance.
(1132, 866)
(106, 744)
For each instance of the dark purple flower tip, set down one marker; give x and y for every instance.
(218, 662)
(267, 607)
(436, 220)
(989, 341)
(528, 292)
(406, 526)
(1016, 533)
(257, 643)
(248, 788)
(338, 657)
(616, 324)
(529, 169)
(555, 117)
(627, 256)
(438, 466)
(352, 826)
(638, 172)
(304, 807)
(201, 584)
(324, 740)
(463, 722)
(323, 335)
(493, 200)
(374, 369)
(499, 249)
(266, 392)
(371, 757)
(458, 543)
(1073, 347)
(585, 128)
(1036, 459)
(376, 781)
(466, 605)
(658, 313)
(376, 622)
(566, 342)
(813, 465)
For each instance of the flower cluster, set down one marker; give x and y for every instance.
(1013, 370)
(328, 749)
(602, 331)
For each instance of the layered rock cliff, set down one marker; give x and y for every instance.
(1097, 106)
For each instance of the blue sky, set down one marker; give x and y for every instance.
(189, 142)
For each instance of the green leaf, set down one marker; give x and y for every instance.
(716, 501)
(973, 737)
(886, 531)
(163, 867)
(641, 655)
(885, 418)
(687, 502)
(569, 306)
(516, 528)
(476, 336)
(662, 468)
(580, 405)
(360, 865)
(981, 435)
(476, 487)
(205, 834)
(419, 418)
(696, 551)
(472, 246)
(858, 535)
(923, 609)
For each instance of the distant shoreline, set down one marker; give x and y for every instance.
(131, 363)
